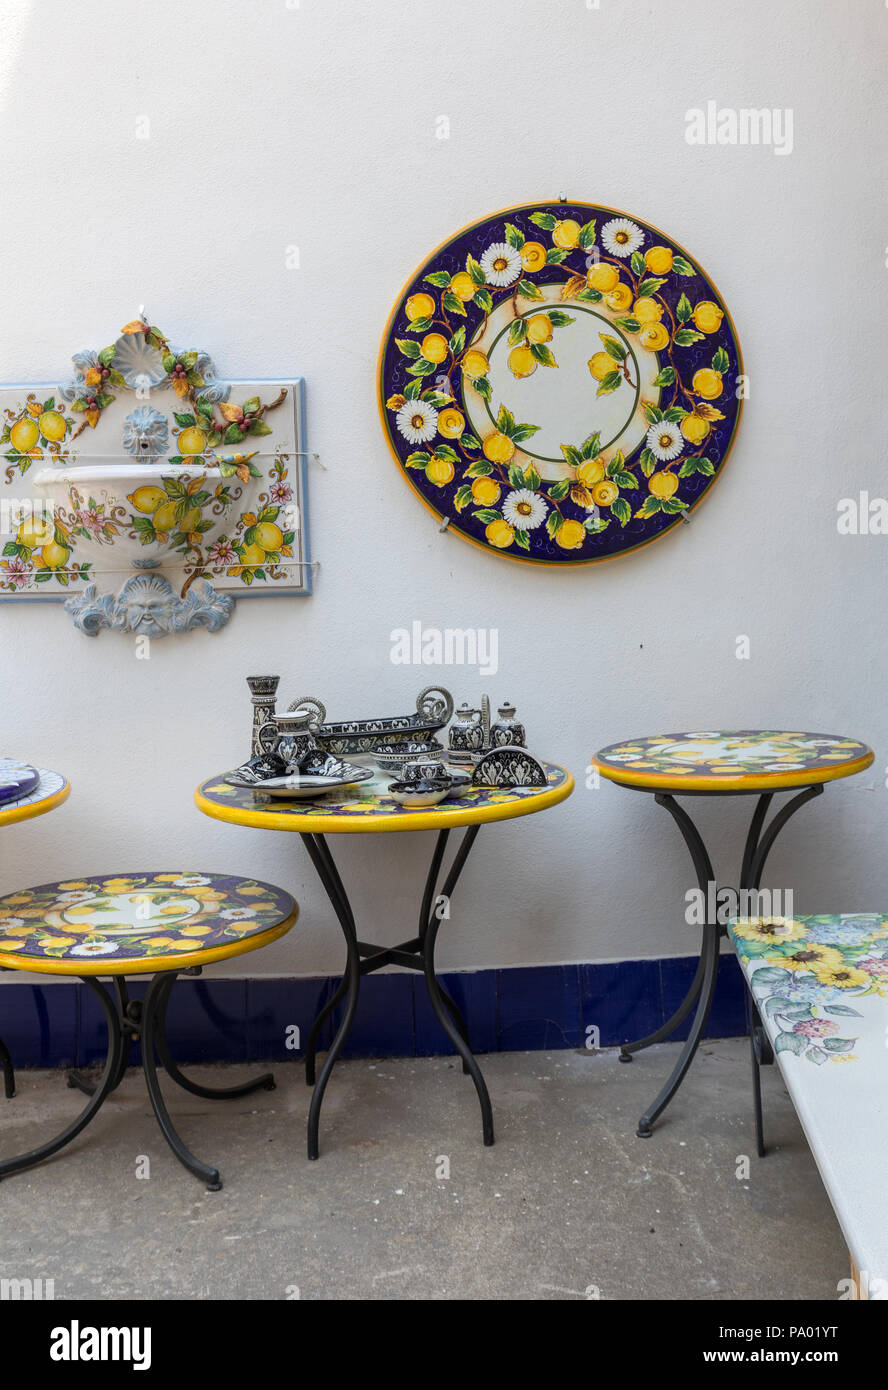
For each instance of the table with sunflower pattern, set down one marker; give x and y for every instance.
(367, 808)
(719, 762)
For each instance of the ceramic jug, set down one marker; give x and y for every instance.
(506, 731)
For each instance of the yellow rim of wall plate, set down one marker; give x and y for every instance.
(37, 808)
(380, 402)
(146, 965)
(751, 782)
(417, 820)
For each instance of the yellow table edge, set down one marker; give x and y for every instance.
(417, 820)
(147, 965)
(36, 808)
(751, 782)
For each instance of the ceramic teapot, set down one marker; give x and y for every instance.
(466, 734)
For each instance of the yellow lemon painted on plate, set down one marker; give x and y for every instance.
(475, 363)
(707, 383)
(654, 336)
(52, 425)
(605, 492)
(600, 364)
(54, 556)
(192, 441)
(566, 234)
(659, 260)
(590, 472)
(619, 298)
(603, 277)
(147, 499)
(196, 931)
(419, 306)
(11, 945)
(485, 492)
(539, 328)
(533, 255)
(434, 347)
(500, 534)
(439, 472)
(662, 484)
(694, 428)
(570, 535)
(522, 362)
(498, 448)
(451, 422)
(24, 435)
(269, 536)
(707, 316)
(647, 310)
(463, 286)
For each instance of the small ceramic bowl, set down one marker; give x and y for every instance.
(417, 794)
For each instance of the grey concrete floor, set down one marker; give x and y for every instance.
(406, 1203)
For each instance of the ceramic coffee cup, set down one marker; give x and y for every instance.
(424, 769)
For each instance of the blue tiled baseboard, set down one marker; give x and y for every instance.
(526, 1008)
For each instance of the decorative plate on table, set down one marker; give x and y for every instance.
(560, 382)
(17, 779)
(304, 786)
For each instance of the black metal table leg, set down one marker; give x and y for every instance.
(707, 968)
(8, 1072)
(363, 959)
(100, 1093)
(153, 1011)
(758, 847)
(265, 1082)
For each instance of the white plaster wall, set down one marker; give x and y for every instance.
(314, 124)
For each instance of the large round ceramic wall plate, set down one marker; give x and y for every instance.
(561, 382)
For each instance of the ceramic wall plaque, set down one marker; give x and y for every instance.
(560, 383)
(146, 493)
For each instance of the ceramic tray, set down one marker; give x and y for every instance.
(434, 708)
(303, 787)
(560, 382)
(17, 779)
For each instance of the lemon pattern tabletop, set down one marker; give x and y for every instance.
(369, 807)
(560, 382)
(739, 759)
(137, 922)
(50, 791)
(820, 985)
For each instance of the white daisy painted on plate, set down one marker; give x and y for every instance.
(525, 510)
(11, 923)
(501, 264)
(237, 914)
(94, 948)
(417, 421)
(191, 881)
(620, 237)
(665, 441)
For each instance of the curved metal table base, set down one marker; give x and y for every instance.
(127, 1019)
(362, 958)
(759, 842)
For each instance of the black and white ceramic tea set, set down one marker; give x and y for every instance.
(298, 755)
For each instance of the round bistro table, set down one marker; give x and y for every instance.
(740, 762)
(162, 924)
(50, 792)
(370, 810)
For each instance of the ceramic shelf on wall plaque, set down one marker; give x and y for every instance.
(146, 494)
(560, 383)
